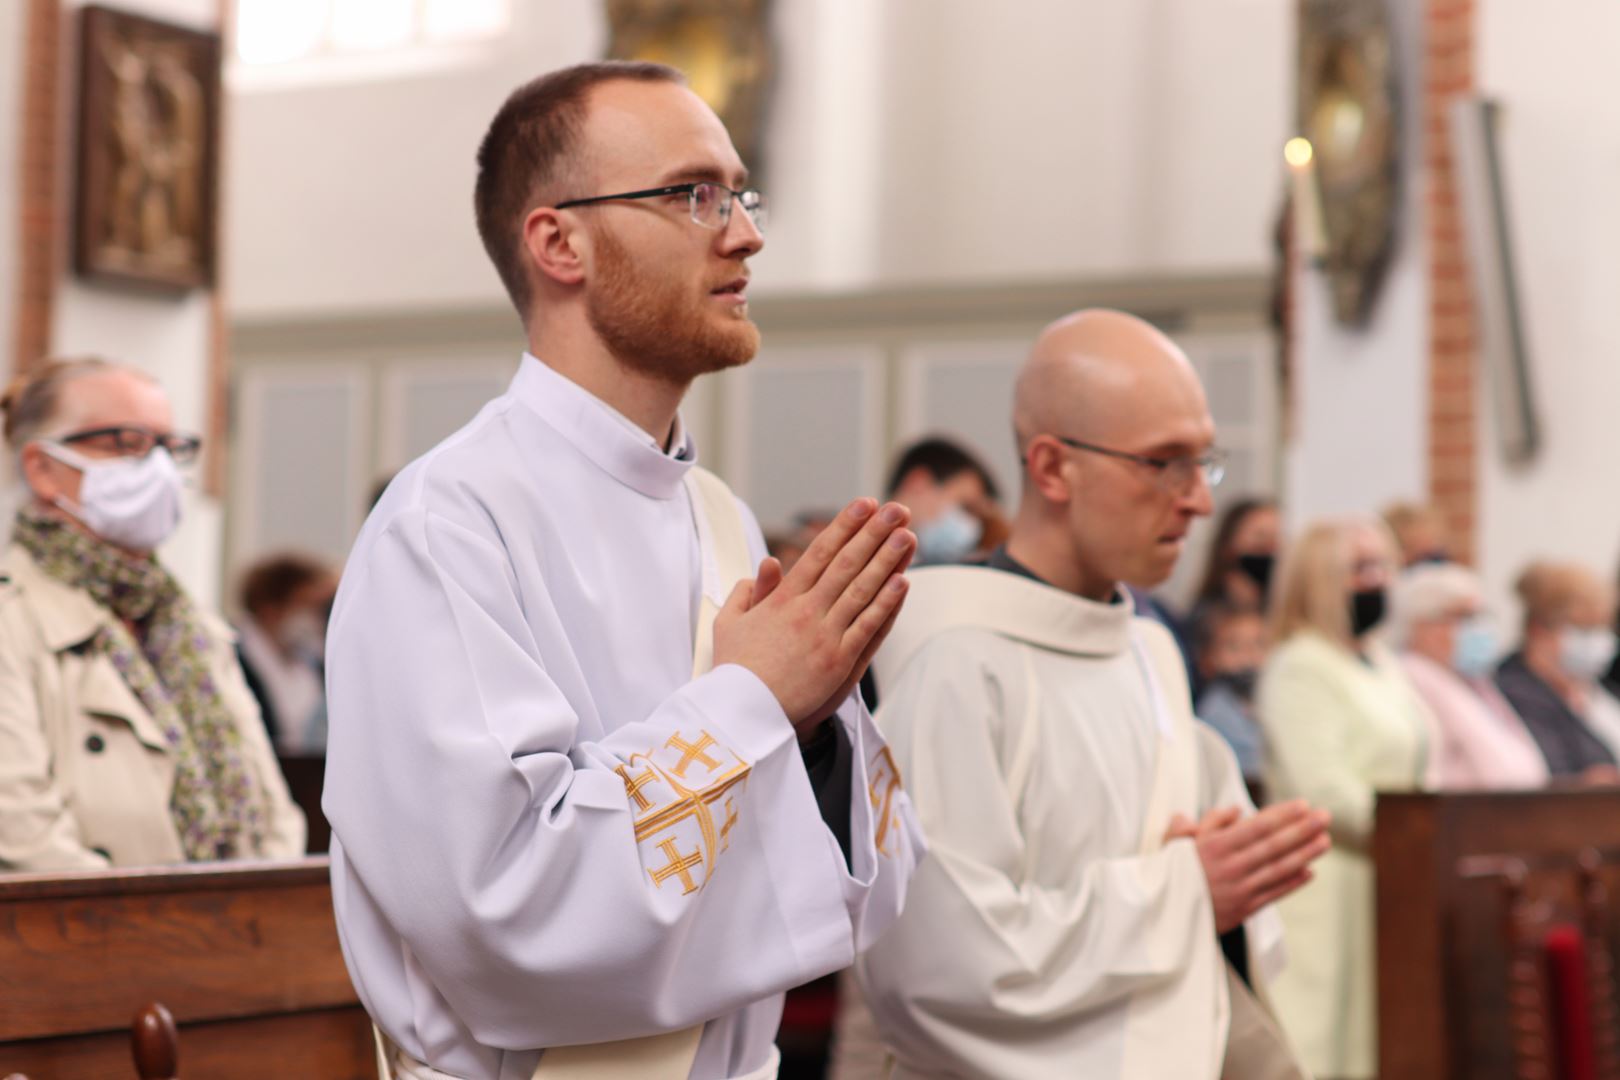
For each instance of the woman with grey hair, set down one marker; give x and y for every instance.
(127, 734)
(1449, 649)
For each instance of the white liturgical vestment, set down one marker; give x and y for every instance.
(1046, 741)
(545, 830)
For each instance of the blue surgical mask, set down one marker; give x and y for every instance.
(949, 538)
(1473, 648)
(1585, 654)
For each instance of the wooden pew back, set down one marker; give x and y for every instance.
(245, 956)
(1490, 907)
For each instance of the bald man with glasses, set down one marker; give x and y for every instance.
(1089, 839)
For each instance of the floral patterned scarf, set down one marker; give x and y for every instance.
(217, 806)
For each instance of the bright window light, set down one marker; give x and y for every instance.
(367, 25)
(273, 31)
(277, 31)
(454, 20)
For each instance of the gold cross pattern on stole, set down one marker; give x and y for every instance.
(692, 752)
(678, 866)
(634, 784)
(674, 813)
(884, 786)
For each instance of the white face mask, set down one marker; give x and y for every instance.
(1585, 654)
(949, 538)
(303, 634)
(131, 502)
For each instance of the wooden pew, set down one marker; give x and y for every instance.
(1490, 909)
(245, 956)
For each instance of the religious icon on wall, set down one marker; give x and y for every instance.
(723, 46)
(1348, 108)
(148, 146)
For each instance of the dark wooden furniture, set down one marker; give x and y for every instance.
(244, 955)
(306, 776)
(1497, 935)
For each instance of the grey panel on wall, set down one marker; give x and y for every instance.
(436, 408)
(304, 485)
(964, 391)
(800, 429)
(800, 458)
(1229, 380)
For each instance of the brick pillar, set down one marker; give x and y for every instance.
(1453, 361)
(217, 419)
(40, 184)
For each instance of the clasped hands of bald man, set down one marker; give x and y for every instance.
(1251, 861)
(811, 634)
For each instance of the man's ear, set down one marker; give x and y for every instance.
(1044, 459)
(555, 247)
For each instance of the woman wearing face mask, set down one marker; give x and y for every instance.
(1552, 680)
(282, 631)
(1238, 573)
(1242, 556)
(1341, 723)
(1449, 650)
(127, 734)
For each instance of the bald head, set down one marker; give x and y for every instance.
(1111, 423)
(1094, 374)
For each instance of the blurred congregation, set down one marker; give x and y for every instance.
(242, 290)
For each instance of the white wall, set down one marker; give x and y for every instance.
(909, 141)
(12, 28)
(166, 335)
(1552, 67)
(1360, 436)
(1054, 138)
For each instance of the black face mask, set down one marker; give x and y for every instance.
(1366, 610)
(1241, 681)
(1257, 568)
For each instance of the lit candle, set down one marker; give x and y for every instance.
(1309, 235)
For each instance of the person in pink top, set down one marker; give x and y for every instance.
(1448, 648)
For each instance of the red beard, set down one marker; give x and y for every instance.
(656, 324)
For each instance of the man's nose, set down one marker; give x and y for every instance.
(1200, 498)
(740, 237)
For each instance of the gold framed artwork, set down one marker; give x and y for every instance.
(723, 46)
(148, 146)
(1349, 109)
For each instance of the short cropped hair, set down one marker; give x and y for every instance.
(1213, 617)
(1551, 590)
(1427, 593)
(273, 581)
(943, 460)
(33, 401)
(525, 157)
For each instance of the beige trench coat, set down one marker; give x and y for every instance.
(85, 772)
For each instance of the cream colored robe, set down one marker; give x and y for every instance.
(1050, 933)
(1338, 731)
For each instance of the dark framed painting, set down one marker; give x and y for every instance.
(723, 46)
(148, 151)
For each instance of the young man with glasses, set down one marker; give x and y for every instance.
(1090, 839)
(594, 778)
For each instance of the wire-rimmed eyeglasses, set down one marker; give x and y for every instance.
(1177, 474)
(710, 202)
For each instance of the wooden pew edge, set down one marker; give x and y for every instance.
(198, 877)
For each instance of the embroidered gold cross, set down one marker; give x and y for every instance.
(691, 752)
(678, 866)
(633, 786)
(725, 829)
(885, 785)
